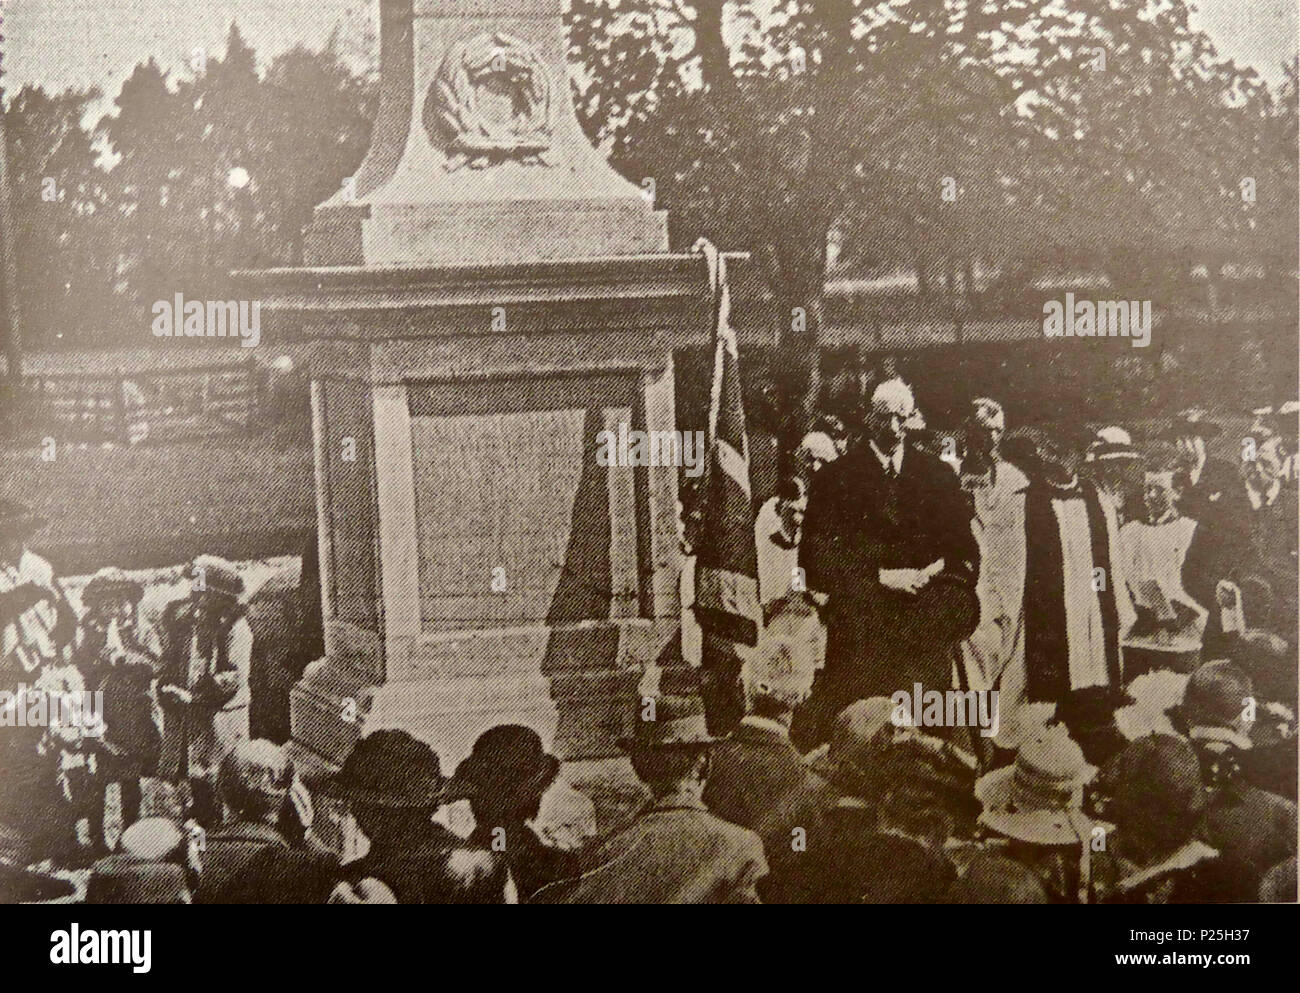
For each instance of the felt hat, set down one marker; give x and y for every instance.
(951, 604)
(506, 759)
(1216, 695)
(390, 768)
(673, 722)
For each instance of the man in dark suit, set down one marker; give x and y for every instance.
(1211, 483)
(888, 537)
(1250, 538)
(248, 859)
(675, 851)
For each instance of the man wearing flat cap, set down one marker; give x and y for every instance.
(203, 684)
(675, 851)
(1252, 826)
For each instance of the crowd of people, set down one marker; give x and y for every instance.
(1130, 606)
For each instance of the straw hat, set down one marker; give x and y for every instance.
(1039, 798)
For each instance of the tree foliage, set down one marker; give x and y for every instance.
(148, 204)
(1099, 132)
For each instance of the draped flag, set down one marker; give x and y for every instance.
(726, 568)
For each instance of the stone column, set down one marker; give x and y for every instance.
(484, 298)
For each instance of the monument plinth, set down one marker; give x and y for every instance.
(477, 155)
(486, 297)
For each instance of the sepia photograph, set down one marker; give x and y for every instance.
(650, 452)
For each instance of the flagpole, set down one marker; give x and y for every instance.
(726, 560)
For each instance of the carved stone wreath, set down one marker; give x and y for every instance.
(464, 103)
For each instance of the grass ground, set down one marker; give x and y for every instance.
(154, 505)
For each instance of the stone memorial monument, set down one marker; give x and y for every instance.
(486, 296)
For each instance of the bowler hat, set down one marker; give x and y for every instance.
(1216, 695)
(390, 768)
(669, 722)
(509, 758)
(951, 606)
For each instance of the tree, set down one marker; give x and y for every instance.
(57, 194)
(291, 135)
(933, 134)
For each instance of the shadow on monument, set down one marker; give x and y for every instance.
(579, 655)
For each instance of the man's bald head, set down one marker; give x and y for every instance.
(892, 406)
(255, 777)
